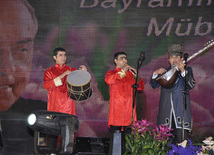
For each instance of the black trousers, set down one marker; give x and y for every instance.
(177, 135)
(126, 130)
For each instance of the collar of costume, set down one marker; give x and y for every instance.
(58, 66)
(118, 69)
(120, 72)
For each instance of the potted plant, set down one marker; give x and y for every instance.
(147, 139)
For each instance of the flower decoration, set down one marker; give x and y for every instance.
(208, 147)
(162, 133)
(183, 148)
(147, 139)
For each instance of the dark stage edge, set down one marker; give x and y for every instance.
(83, 146)
(91, 146)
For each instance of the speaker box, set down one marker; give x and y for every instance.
(91, 146)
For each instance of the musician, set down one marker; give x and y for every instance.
(120, 81)
(171, 99)
(55, 83)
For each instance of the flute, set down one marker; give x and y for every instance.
(131, 70)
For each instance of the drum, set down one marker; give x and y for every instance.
(79, 85)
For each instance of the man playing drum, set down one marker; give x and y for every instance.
(55, 83)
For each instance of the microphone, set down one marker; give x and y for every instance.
(186, 55)
(142, 57)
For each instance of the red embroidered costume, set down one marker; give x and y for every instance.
(58, 99)
(121, 94)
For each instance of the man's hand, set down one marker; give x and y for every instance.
(180, 65)
(82, 67)
(131, 69)
(160, 71)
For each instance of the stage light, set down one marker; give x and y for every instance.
(55, 123)
(31, 119)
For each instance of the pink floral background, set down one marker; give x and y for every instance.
(91, 36)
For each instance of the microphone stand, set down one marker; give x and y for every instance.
(184, 95)
(135, 91)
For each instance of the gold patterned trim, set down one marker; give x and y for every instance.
(122, 74)
(57, 81)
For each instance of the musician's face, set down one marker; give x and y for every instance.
(60, 58)
(121, 61)
(173, 60)
(16, 49)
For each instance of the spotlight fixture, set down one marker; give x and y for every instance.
(55, 123)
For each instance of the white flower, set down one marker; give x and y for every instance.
(209, 141)
(183, 144)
